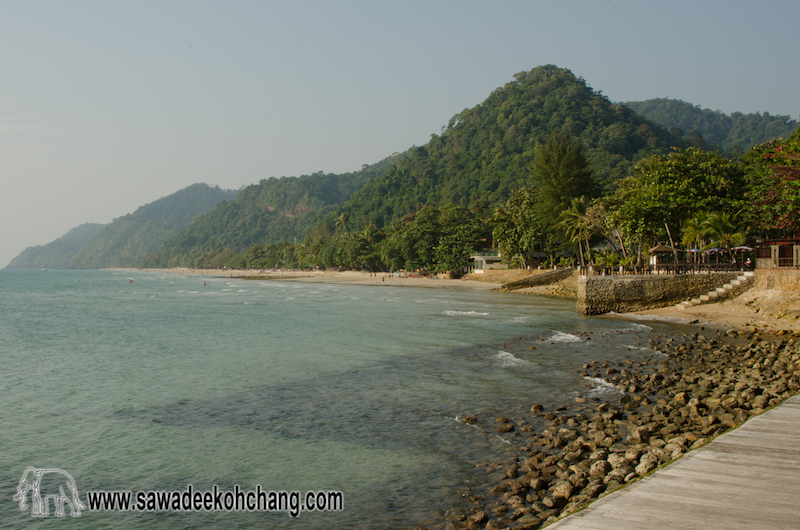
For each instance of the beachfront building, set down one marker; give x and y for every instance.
(778, 253)
(487, 260)
(663, 257)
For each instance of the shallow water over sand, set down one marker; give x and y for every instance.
(165, 382)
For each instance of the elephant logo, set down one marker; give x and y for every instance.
(46, 484)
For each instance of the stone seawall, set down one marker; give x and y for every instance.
(622, 294)
(783, 279)
(544, 278)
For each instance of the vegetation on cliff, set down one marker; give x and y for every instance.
(58, 253)
(274, 210)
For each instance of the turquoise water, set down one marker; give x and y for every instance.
(165, 382)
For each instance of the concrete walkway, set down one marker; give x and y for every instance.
(747, 478)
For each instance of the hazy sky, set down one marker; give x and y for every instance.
(108, 105)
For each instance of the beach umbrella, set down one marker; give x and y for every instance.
(694, 251)
(742, 248)
(715, 251)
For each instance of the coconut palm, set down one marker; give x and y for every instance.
(343, 222)
(574, 223)
(695, 230)
(725, 230)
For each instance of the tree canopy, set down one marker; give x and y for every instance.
(773, 179)
(735, 133)
(561, 174)
(665, 190)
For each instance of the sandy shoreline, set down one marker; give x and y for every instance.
(752, 310)
(379, 279)
(734, 313)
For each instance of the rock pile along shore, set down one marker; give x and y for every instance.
(704, 386)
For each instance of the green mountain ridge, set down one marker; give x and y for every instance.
(480, 157)
(735, 133)
(486, 152)
(272, 211)
(123, 242)
(57, 253)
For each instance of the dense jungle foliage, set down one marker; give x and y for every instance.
(772, 170)
(735, 133)
(480, 157)
(486, 152)
(689, 198)
(272, 211)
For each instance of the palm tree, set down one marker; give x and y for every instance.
(343, 222)
(369, 232)
(575, 225)
(695, 230)
(725, 230)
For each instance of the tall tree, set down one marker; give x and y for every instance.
(343, 222)
(517, 227)
(575, 225)
(695, 230)
(561, 173)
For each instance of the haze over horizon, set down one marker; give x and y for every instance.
(108, 106)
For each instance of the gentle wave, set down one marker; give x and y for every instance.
(655, 318)
(643, 348)
(505, 359)
(465, 313)
(564, 337)
(603, 387)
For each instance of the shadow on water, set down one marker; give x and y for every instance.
(413, 404)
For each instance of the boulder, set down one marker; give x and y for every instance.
(647, 463)
(563, 489)
(600, 468)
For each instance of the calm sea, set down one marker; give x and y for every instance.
(145, 381)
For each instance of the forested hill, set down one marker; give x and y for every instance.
(482, 154)
(57, 253)
(735, 133)
(128, 238)
(272, 211)
(485, 152)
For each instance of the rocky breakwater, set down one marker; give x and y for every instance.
(701, 387)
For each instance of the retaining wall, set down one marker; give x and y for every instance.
(784, 279)
(622, 294)
(544, 278)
